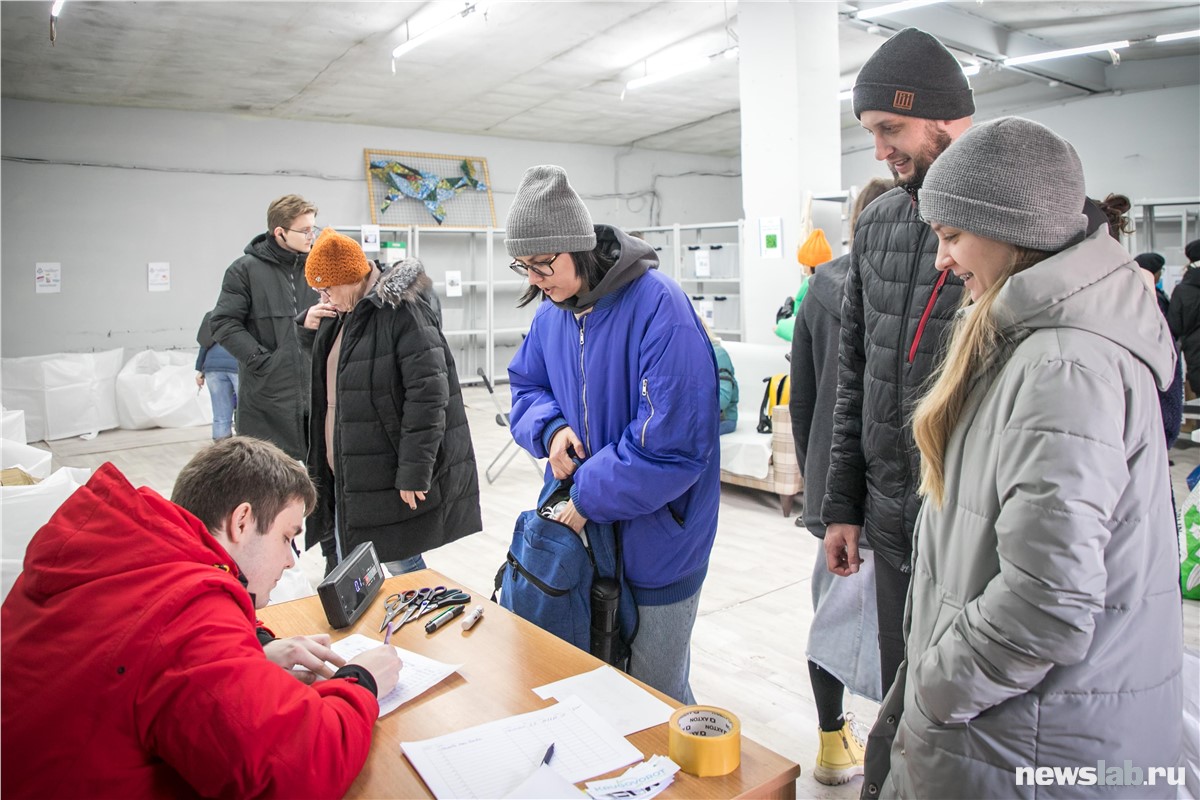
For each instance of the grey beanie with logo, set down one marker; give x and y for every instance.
(1012, 180)
(913, 74)
(547, 216)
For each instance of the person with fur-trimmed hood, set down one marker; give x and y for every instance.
(389, 447)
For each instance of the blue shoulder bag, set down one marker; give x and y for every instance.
(568, 584)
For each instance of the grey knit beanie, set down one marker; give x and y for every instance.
(915, 75)
(547, 216)
(1012, 180)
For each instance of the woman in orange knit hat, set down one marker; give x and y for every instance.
(389, 447)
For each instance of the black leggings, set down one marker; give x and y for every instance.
(891, 592)
(827, 693)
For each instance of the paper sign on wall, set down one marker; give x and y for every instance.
(705, 308)
(453, 283)
(158, 276)
(770, 237)
(370, 238)
(703, 268)
(47, 277)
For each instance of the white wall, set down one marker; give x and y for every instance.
(192, 189)
(1143, 145)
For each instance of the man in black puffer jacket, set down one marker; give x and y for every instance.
(389, 447)
(914, 99)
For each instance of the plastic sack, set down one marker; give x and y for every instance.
(33, 461)
(24, 510)
(157, 389)
(1189, 545)
(13, 426)
(64, 394)
(292, 586)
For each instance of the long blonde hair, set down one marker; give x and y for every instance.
(976, 336)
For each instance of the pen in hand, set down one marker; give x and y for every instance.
(388, 636)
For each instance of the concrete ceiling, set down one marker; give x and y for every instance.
(543, 70)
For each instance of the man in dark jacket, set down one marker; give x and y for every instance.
(262, 293)
(1183, 315)
(913, 98)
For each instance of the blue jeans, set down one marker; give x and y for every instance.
(410, 564)
(222, 388)
(662, 650)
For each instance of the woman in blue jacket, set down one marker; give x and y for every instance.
(617, 373)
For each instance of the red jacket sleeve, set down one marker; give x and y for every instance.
(234, 724)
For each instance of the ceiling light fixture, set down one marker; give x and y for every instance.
(846, 95)
(893, 8)
(1071, 51)
(1175, 37)
(971, 69)
(56, 9)
(679, 68)
(440, 19)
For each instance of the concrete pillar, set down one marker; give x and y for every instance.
(791, 140)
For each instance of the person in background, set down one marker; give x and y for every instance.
(132, 664)
(1183, 315)
(1153, 263)
(843, 650)
(617, 373)
(727, 380)
(390, 450)
(261, 294)
(813, 253)
(1171, 400)
(216, 367)
(913, 98)
(1045, 590)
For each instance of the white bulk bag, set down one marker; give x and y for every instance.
(13, 426)
(64, 394)
(34, 462)
(25, 509)
(158, 389)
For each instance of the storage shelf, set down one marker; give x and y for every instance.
(511, 330)
(465, 332)
(689, 281)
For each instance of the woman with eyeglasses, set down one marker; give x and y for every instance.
(616, 384)
(389, 447)
(1043, 629)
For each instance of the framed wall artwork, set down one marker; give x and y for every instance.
(429, 190)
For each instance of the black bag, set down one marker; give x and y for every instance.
(568, 584)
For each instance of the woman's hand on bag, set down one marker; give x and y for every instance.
(565, 446)
(410, 498)
(570, 516)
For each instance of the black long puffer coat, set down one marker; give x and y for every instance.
(401, 424)
(896, 317)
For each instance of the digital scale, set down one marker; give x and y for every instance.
(349, 589)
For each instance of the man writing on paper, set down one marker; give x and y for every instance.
(131, 663)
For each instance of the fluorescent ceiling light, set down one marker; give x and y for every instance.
(1073, 51)
(56, 9)
(893, 8)
(971, 69)
(443, 18)
(1175, 37)
(679, 68)
(846, 95)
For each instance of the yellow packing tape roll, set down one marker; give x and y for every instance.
(705, 741)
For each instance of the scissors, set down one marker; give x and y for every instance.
(408, 602)
(450, 597)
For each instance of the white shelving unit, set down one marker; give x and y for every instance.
(482, 324)
(706, 261)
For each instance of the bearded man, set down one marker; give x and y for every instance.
(913, 98)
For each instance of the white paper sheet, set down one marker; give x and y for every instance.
(642, 781)
(622, 703)
(545, 784)
(419, 674)
(492, 759)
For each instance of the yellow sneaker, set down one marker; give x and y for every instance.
(840, 757)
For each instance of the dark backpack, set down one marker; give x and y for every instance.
(566, 587)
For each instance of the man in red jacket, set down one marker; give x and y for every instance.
(131, 662)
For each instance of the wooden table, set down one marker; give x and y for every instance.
(503, 657)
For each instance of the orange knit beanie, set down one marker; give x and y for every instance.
(814, 252)
(335, 260)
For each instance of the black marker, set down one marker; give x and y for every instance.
(442, 619)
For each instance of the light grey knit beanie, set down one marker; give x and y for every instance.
(547, 216)
(1012, 180)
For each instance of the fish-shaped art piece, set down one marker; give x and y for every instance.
(430, 189)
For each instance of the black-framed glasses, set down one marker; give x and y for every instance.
(324, 294)
(310, 233)
(541, 268)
